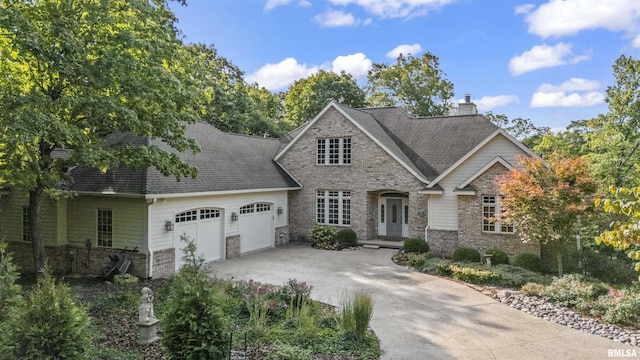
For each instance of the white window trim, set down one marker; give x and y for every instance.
(341, 151)
(342, 195)
(497, 224)
(99, 231)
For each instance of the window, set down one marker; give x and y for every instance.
(105, 228)
(190, 215)
(382, 213)
(26, 224)
(333, 207)
(334, 151)
(209, 214)
(406, 214)
(491, 207)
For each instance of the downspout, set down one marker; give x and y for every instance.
(149, 251)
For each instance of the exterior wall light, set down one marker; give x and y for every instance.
(168, 225)
(280, 210)
(234, 216)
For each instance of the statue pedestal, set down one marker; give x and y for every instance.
(148, 332)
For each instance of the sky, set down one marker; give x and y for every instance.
(547, 61)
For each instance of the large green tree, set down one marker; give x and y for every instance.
(73, 72)
(522, 129)
(415, 84)
(308, 96)
(545, 201)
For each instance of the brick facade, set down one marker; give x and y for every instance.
(282, 235)
(470, 219)
(372, 171)
(164, 263)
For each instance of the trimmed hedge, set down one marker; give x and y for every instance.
(416, 245)
(466, 254)
(347, 238)
(528, 261)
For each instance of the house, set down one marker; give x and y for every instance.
(378, 171)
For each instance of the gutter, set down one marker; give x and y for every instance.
(149, 251)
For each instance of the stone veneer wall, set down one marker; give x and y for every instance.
(164, 263)
(232, 246)
(371, 172)
(88, 260)
(282, 235)
(470, 219)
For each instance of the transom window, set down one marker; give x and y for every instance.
(26, 224)
(190, 215)
(491, 207)
(193, 215)
(333, 207)
(209, 214)
(334, 151)
(259, 207)
(105, 228)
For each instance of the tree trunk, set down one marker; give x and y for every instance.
(36, 198)
(559, 259)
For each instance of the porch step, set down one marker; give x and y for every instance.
(388, 244)
(367, 246)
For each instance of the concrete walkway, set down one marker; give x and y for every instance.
(418, 316)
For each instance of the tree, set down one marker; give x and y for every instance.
(569, 143)
(415, 84)
(544, 202)
(308, 96)
(73, 72)
(625, 233)
(522, 129)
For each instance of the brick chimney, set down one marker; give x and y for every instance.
(467, 107)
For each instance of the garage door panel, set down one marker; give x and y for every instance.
(204, 226)
(256, 227)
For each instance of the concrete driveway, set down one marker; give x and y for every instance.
(418, 316)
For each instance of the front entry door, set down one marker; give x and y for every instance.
(394, 217)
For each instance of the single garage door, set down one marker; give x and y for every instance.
(256, 227)
(205, 227)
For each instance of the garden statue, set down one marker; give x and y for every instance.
(145, 309)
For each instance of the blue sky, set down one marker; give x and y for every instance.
(549, 61)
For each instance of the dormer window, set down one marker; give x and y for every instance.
(334, 151)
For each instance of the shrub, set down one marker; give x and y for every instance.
(356, 314)
(528, 261)
(127, 293)
(416, 245)
(474, 275)
(515, 277)
(466, 254)
(50, 324)
(346, 238)
(621, 307)
(574, 290)
(498, 256)
(609, 268)
(323, 236)
(193, 322)
(417, 260)
(10, 292)
(532, 289)
(431, 265)
(280, 351)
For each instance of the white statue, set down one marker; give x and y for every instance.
(145, 309)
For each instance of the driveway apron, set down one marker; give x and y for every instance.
(419, 316)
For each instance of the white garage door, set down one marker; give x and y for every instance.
(205, 227)
(256, 227)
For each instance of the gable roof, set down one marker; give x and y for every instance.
(429, 147)
(227, 163)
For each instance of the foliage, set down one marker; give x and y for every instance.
(50, 324)
(326, 237)
(529, 261)
(574, 290)
(498, 256)
(10, 292)
(346, 238)
(465, 272)
(281, 351)
(608, 268)
(415, 84)
(126, 293)
(475, 273)
(322, 233)
(544, 202)
(416, 245)
(625, 232)
(356, 314)
(620, 307)
(432, 265)
(307, 97)
(519, 128)
(532, 289)
(193, 322)
(74, 72)
(466, 254)
(514, 276)
(417, 260)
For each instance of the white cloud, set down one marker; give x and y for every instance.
(356, 64)
(573, 84)
(404, 49)
(523, 9)
(395, 8)
(544, 56)
(568, 17)
(284, 73)
(271, 4)
(488, 103)
(636, 42)
(335, 18)
(575, 92)
(304, 3)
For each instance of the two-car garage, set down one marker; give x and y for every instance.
(206, 227)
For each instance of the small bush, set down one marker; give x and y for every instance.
(609, 268)
(474, 275)
(10, 292)
(346, 238)
(280, 351)
(528, 261)
(532, 289)
(416, 245)
(574, 290)
(417, 260)
(466, 254)
(498, 256)
(356, 314)
(324, 237)
(515, 277)
(431, 265)
(621, 307)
